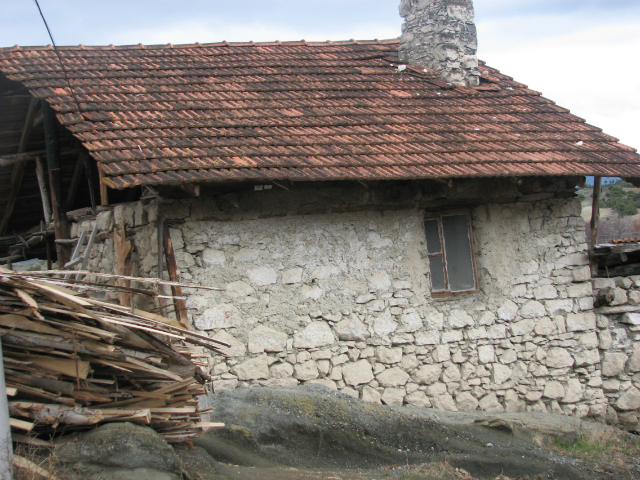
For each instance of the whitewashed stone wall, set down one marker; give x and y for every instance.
(332, 286)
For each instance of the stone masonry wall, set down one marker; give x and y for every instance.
(620, 340)
(441, 35)
(331, 285)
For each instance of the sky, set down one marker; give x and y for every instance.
(582, 54)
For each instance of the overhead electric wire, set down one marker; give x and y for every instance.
(55, 49)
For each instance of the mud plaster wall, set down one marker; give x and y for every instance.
(320, 288)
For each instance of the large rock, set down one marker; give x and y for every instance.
(587, 357)
(306, 371)
(532, 309)
(357, 373)
(236, 347)
(224, 315)
(490, 403)
(265, 339)
(581, 322)
(486, 354)
(316, 334)
(370, 395)
(411, 322)
(393, 377)
(429, 337)
(466, 402)
(630, 400)
(253, 369)
(393, 396)
(522, 328)
(574, 391)
(384, 324)
(613, 364)
(281, 370)
(389, 355)
(451, 374)
(545, 326)
(553, 390)
(501, 373)
(631, 319)
(120, 445)
(633, 364)
(507, 311)
(558, 357)
(352, 329)
(427, 374)
(460, 319)
(445, 402)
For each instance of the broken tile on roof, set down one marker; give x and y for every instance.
(171, 114)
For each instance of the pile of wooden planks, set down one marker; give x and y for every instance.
(72, 361)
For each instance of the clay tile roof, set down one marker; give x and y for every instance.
(168, 114)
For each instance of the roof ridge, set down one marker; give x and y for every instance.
(224, 43)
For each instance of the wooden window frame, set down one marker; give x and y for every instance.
(438, 216)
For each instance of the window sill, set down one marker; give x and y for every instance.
(446, 295)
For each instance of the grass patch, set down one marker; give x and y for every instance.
(610, 447)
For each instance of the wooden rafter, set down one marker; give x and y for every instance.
(19, 168)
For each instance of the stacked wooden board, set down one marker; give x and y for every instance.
(72, 360)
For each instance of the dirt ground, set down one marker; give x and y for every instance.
(314, 433)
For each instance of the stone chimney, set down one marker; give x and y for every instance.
(441, 35)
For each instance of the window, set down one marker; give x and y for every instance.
(450, 250)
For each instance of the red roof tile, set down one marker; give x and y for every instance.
(302, 111)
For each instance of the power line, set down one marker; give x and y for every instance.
(55, 48)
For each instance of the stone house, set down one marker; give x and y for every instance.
(392, 219)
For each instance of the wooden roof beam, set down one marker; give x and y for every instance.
(8, 160)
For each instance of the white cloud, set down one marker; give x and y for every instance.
(593, 72)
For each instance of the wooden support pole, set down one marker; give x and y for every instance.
(44, 191)
(123, 250)
(19, 168)
(595, 210)
(8, 160)
(75, 181)
(595, 220)
(88, 171)
(60, 220)
(172, 267)
(104, 195)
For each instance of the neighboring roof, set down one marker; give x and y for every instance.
(303, 111)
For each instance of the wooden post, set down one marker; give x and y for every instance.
(44, 191)
(88, 171)
(595, 220)
(104, 195)
(172, 267)
(49, 256)
(19, 168)
(123, 249)
(6, 447)
(60, 220)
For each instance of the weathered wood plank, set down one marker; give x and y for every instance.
(172, 267)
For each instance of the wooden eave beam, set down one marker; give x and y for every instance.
(19, 168)
(192, 189)
(8, 160)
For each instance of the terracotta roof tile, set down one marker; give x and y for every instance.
(171, 114)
